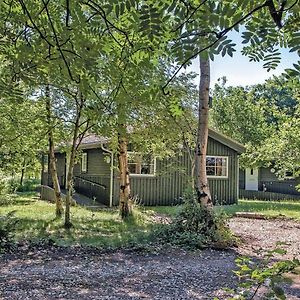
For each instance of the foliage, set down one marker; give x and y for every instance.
(265, 118)
(196, 227)
(7, 227)
(253, 275)
(29, 185)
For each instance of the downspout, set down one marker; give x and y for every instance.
(111, 174)
(238, 180)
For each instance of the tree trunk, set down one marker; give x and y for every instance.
(69, 187)
(53, 170)
(125, 205)
(23, 172)
(75, 143)
(201, 182)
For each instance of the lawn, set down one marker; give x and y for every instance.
(36, 220)
(290, 209)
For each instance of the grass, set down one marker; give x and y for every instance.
(98, 228)
(36, 221)
(290, 209)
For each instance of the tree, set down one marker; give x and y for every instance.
(264, 118)
(56, 185)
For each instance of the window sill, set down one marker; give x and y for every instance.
(217, 177)
(142, 175)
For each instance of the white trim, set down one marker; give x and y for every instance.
(83, 164)
(111, 186)
(214, 176)
(289, 177)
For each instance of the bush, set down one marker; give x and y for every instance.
(7, 229)
(7, 185)
(7, 199)
(262, 279)
(197, 227)
(29, 185)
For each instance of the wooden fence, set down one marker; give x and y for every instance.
(270, 196)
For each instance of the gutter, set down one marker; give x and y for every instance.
(111, 174)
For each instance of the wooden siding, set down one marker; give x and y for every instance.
(95, 183)
(172, 177)
(269, 196)
(165, 188)
(61, 171)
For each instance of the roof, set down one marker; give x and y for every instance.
(91, 141)
(227, 141)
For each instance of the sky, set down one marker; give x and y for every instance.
(239, 71)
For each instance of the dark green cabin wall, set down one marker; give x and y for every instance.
(60, 167)
(173, 175)
(98, 171)
(166, 188)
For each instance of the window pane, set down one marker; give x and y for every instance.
(210, 171)
(219, 171)
(224, 171)
(132, 168)
(210, 161)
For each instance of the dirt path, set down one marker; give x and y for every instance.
(88, 274)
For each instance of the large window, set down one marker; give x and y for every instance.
(217, 166)
(84, 162)
(141, 164)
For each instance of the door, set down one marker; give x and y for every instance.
(251, 180)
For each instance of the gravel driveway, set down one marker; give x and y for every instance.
(77, 273)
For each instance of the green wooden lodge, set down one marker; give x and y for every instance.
(154, 181)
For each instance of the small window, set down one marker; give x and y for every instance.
(141, 164)
(45, 163)
(217, 166)
(84, 162)
(251, 172)
(289, 174)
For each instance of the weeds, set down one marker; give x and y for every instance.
(197, 227)
(7, 230)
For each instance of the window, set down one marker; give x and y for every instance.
(84, 162)
(288, 174)
(141, 164)
(217, 166)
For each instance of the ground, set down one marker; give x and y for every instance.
(86, 273)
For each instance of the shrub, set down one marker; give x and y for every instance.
(197, 227)
(7, 229)
(262, 279)
(7, 199)
(29, 185)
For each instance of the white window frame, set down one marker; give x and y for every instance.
(289, 177)
(84, 162)
(143, 175)
(214, 176)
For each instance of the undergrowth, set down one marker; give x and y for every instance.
(195, 227)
